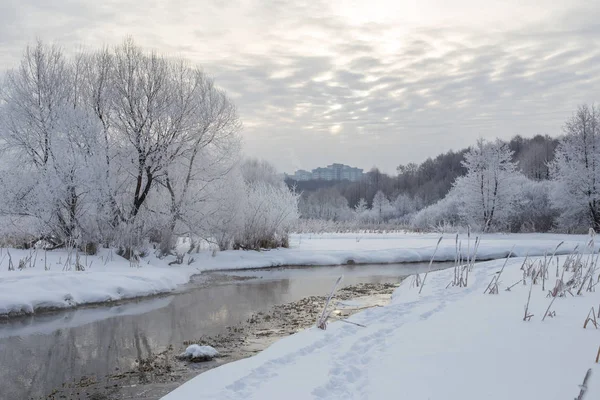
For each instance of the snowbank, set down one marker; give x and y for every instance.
(446, 343)
(108, 277)
(197, 353)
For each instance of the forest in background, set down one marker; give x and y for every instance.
(432, 179)
(514, 185)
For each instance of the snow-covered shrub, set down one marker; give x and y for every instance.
(533, 210)
(257, 209)
(444, 213)
(268, 215)
(327, 204)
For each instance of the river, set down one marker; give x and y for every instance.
(38, 354)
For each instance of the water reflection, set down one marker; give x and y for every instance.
(39, 354)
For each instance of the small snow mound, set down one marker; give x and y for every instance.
(196, 353)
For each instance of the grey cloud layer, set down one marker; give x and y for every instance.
(313, 88)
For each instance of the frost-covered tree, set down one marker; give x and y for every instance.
(405, 204)
(487, 192)
(381, 209)
(49, 144)
(114, 145)
(361, 206)
(576, 171)
(255, 170)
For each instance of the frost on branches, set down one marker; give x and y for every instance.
(576, 171)
(269, 208)
(488, 192)
(120, 146)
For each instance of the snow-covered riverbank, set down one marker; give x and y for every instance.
(445, 343)
(108, 277)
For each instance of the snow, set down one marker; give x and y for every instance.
(109, 277)
(196, 352)
(446, 343)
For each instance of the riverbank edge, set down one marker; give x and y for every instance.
(331, 250)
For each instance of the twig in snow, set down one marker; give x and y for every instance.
(583, 387)
(350, 322)
(322, 321)
(514, 284)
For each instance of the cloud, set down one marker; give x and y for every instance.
(363, 83)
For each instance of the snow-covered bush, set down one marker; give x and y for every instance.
(259, 210)
(268, 214)
(533, 211)
(444, 213)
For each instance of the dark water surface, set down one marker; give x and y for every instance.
(40, 353)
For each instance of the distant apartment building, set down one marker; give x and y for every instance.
(333, 172)
(302, 175)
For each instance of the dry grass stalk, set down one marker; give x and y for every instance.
(544, 272)
(548, 313)
(455, 261)
(78, 265)
(591, 319)
(430, 262)
(528, 316)
(11, 267)
(416, 280)
(493, 285)
(598, 355)
(34, 258)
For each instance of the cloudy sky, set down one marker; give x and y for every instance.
(369, 82)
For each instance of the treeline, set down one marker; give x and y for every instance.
(416, 186)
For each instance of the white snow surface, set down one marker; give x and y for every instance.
(445, 343)
(34, 289)
(197, 351)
